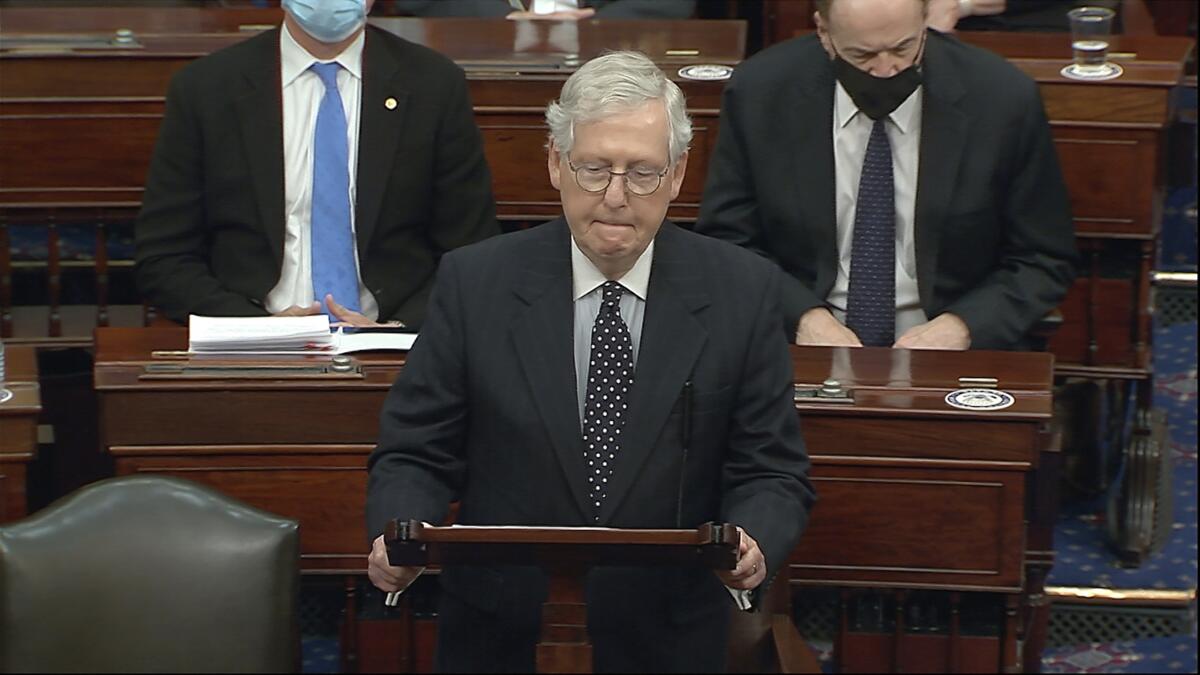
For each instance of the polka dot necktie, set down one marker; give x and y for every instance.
(871, 298)
(610, 375)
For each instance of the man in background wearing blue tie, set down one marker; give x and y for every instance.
(905, 181)
(604, 369)
(325, 166)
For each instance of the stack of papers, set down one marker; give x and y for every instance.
(289, 335)
(259, 334)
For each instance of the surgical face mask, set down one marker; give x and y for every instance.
(877, 97)
(328, 21)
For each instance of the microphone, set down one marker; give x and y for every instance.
(686, 439)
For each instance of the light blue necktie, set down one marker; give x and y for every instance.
(333, 268)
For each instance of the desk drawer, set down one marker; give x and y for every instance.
(914, 527)
(241, 416)
(323, 488)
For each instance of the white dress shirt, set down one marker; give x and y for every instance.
(851, 131)
(551, 6)
(588, 298)
(302, 94)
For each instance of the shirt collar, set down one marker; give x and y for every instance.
(295, 60)
(587, 278)
(906, 116)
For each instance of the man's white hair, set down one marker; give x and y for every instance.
(616, 82)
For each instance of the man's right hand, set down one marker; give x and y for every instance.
(386, 577)
(297, 310)
(818, 327)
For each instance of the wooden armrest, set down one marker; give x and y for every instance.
(1044, 329)
(795, 656)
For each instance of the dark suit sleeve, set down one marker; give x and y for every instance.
(170, 236)
(418, 466)
(444, 8)
(766, 488)
(464, 210)
(644, 9)
(1038, 262)
(729, 209)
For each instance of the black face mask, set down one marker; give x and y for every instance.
(877, 97)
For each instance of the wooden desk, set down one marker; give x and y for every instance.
(18, 429)
(913, 494)
(86, 118)
(296, 447)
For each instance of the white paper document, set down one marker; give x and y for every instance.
(288, 335)
(259, 333)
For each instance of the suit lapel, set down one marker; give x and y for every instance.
(260, 111)
(943, 136)
(813, 195)
(671, 342)
(543, 336)
(384, 99)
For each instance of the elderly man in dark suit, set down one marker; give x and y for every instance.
(905, 181)
(324, 166)
(604, 369)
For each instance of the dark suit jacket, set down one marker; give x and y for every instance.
(210, 234)
(994, 238)
(1034, 15)
(485, 412)
(605, 9)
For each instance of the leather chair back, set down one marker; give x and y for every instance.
(149, 573)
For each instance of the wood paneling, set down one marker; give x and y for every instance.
(18, 429)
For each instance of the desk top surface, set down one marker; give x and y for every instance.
(885, 381)
(473, 43)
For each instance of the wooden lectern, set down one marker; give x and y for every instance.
(566, 554)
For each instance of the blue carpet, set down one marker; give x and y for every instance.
(1080, 539)
(320, 654)
(1155, 655)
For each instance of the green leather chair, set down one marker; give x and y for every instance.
(149, 574)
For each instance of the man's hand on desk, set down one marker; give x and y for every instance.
(346, 317)
(819, 328)
(751, 568)
(947, 331)
(943, 15)
(383, 574)
(564, 15)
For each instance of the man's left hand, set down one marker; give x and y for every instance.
(947, 331)
(346, 317)
(751, 568)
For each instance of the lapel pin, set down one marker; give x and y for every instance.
(390, 104)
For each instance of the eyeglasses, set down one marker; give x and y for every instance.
(642, 182)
